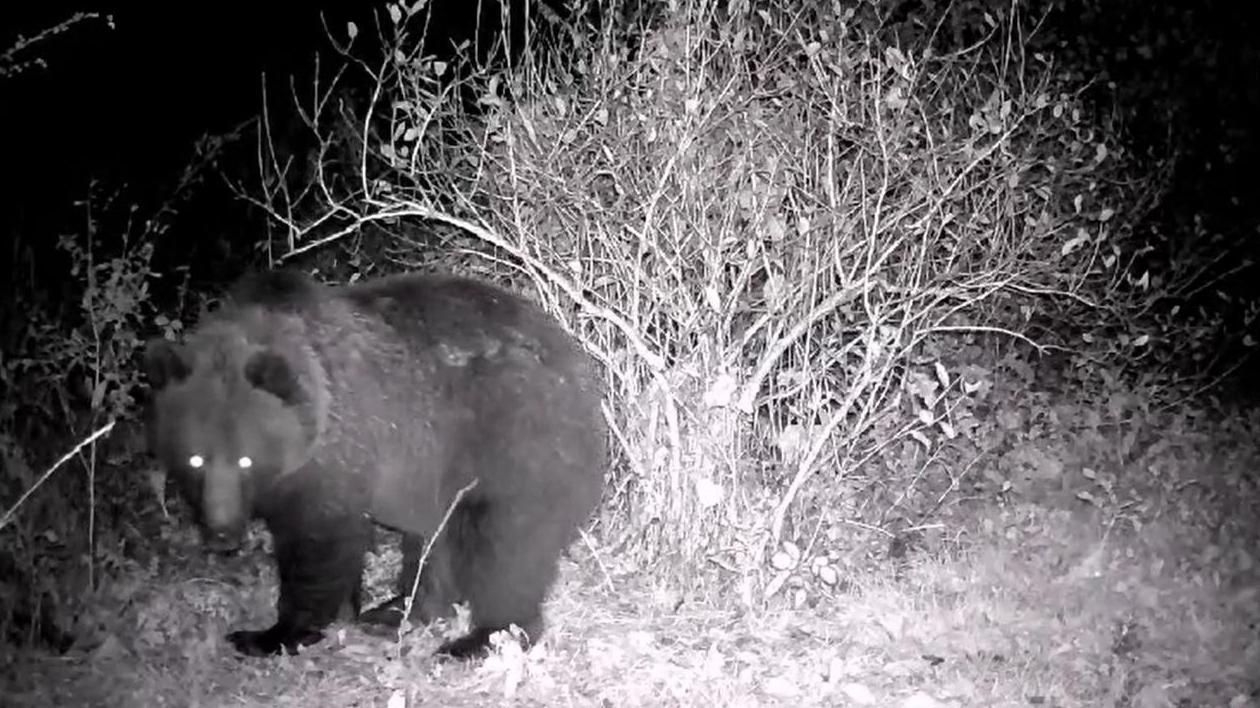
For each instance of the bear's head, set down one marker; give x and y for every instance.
(226, 419)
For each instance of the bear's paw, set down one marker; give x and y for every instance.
(273, 641)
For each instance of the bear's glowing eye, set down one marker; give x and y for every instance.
(196, 462)
(245, 463)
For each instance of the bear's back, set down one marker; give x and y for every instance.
(277, 289)
(450, 318)
(466, 318)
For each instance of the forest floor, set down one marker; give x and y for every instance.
(1131, 585)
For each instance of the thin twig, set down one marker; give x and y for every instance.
(424, 556)
(8, 515)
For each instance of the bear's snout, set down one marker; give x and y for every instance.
(223, 514)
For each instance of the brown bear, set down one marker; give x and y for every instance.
(323, 410)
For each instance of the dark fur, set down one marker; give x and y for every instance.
(379, 402)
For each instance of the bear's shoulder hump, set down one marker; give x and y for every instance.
(277, 289)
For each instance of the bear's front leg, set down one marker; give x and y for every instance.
(320, 570)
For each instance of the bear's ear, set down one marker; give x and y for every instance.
(164, 363)
(272, 373)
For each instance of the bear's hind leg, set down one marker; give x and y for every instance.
(319, 574)
(434, 598)
(506, 564)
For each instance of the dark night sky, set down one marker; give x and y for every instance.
(128, 102)
(126, 105)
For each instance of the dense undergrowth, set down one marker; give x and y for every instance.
(859, 291)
